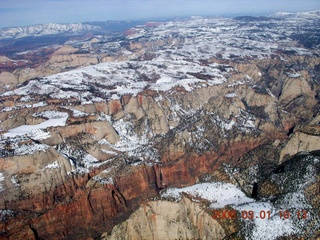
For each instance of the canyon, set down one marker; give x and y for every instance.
(96, 132)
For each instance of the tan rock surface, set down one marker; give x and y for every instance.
(168, 220)
(65, 49)
(300, 142)
(99, 130)
(7, 81)
(37, 172)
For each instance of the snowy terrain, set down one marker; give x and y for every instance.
(274, 225)
(184, 61)
(113, 80)
(35, 131)
(44, 30)
(20, 145)
(218, 193)
(183, 57)
(224, 194)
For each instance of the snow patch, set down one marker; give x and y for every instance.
(108, 152)
(38, 134)
(228, 126)
(1, 182)
(53, 165)
(103, 180)
(293, 75)
(267, 228)
(30, 149)
(231, 95)
(218, 193)
(129, 140)
(54, 119)
(14, 180)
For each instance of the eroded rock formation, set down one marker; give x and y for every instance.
(169, 220)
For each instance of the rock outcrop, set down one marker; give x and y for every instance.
(168, 220)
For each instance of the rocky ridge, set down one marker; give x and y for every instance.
(169, 220)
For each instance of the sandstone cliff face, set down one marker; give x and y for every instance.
(168, 220)
(304, 138)
(33, 173)
(66, 57)
(300, 142)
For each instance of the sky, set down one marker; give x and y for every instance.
(29, 12)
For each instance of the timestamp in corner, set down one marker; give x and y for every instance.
(262, 214)
(300, 214)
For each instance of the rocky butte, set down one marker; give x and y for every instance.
(147, 134)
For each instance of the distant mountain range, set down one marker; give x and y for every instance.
(111, 26)
(64, 29)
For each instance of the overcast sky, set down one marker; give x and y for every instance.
(27, 12)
